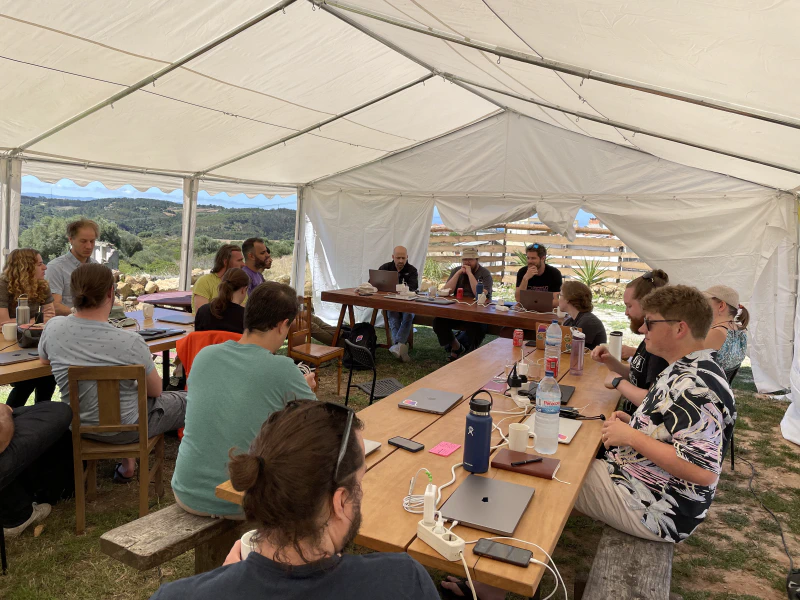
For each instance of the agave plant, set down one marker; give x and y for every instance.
(522, 258)
(590, 272)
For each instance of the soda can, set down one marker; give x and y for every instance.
(460, 294)
(551, 364)
(518, 337)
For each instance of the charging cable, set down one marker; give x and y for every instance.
(415, 503)
(469, 577)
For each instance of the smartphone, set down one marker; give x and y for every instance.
(410, 445)
(503, 552)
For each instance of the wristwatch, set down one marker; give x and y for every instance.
(615, 382)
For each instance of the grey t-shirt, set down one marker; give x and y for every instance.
(72, 341)
(379, 576)
(481, 275)
(58, 274)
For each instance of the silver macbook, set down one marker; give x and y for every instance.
(539, 301)
(488, 504)
(17, 356)
(370, 447)
(431, 401)
(181, 318)
(385, 281)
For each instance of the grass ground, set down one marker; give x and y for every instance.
(734, 555)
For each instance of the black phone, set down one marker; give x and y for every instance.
(503, 552)
(405, 444)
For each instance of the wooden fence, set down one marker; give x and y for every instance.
(497, 248)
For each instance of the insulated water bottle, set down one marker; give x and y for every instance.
(478, 435)
(478, 289)
(548, 407)
(23, 311)
(576, 353)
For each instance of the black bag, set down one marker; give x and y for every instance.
(362, 334)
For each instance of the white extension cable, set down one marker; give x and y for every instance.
(415, 503)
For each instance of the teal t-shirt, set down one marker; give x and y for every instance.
(233, 388)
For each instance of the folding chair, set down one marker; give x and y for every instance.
(362, 357)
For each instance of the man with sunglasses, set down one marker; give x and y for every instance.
(537, 275)
(661, 466)
(302, 483)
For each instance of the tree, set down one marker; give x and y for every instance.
(48, 236)
(205, 245)
(129, 244)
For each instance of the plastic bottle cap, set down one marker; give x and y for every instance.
(555, 321)
(578, 335)
(479, 405)
(549, 374)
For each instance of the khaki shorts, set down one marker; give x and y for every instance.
(602, 500)
(233, 517)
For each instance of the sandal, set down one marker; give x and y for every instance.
(120, 478)
(463, 587)
(456, 354)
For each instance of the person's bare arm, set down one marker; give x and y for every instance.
(62, 310)
(5, 317)
(199, 301)
(6, 426)
(453, 281)
(473, 283)
(603, 355)
(555, 299)
(154, 385)
(627, 352)
(714, 339)
(523, 284)
(48, 311)
(635, 394)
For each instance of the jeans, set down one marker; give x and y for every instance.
(37, 464)
(400, 325)
(473, 332)
(22, 390)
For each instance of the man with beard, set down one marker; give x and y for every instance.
(537, 275)
(302, 486)
(467, 276)
(256, 259)
(634, 379)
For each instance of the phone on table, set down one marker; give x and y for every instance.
(503, 552)
(406, 444)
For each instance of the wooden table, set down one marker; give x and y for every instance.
(487, 314)
(34, 368)
(179, 299)
(387, 527)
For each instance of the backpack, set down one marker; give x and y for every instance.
(362, 334)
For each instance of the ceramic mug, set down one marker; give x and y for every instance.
(248, 544)
(10, 332)
(518, 434)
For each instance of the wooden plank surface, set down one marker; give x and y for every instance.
(561, 240)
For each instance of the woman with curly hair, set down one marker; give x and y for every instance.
(24, 274)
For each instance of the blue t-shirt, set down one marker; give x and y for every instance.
(379, 576)
(232, 389)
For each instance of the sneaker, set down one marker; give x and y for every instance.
(40, 512)
(403, 349)
(395, 350)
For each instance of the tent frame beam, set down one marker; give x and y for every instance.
(157, 75)
(620, 125)
(577, 71)
(311, 128)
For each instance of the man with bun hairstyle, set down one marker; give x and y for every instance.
(302, 483)
(87, 339)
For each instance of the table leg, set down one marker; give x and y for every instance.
(165, 369)
(352, 315)
(339, 325)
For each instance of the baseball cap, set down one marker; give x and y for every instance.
(722, 292)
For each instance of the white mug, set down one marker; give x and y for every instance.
(518, 434)
(148, 310)
(248, 543)
(10, 332)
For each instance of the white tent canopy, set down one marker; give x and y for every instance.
(594, 99)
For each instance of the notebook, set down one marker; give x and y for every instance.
(567, 428)
(546, 468)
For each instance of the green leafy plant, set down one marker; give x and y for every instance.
(590, 272)
(522, 258)
(435, 271)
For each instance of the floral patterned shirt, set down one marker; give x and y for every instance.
(691, 407)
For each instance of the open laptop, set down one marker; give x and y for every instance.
(180, 318)
(567, 428)
(539, 301)
(17, 356)
(385, 281)
(488, 504)
(431, 401)
(566, 392)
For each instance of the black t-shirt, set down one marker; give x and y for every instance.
(232, 319)
(645, 367)
(379, 576)
(549, 281)
(407, 275)
(591, 326)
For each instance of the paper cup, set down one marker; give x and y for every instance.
(10, 332)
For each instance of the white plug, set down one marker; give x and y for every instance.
(429, 507)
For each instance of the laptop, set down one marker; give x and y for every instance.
(488, 504)
(538, 301)
(441, 301)
(179, 318)
(370, 447)
(567, 428)
(18, 356)
(385, 281)
(566, 392)
(431, 401)
(156, 334)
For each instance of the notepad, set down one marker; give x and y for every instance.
(445, 448)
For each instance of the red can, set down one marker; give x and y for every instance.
(551, 364)
(460, 294)
(518, 337)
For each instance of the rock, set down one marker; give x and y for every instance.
(117, 275)
(284, 279)
(137, 289)
(169, 284)
(195, 277)
(151, 287)
(123, 289)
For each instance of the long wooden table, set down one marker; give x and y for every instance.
(34, 368)
(387, 527)
(487, 314)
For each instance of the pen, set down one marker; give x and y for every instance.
(519, 463)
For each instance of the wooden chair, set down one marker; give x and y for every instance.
(301, 348)
(91, 451)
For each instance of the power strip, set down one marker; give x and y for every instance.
(445, 543)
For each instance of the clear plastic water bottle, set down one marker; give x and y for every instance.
(548, 406)
(552, 343)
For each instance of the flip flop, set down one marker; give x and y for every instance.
(120, 478)
(463, 587)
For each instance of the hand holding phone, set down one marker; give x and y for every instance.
(406, 444)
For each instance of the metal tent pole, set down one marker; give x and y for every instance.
(188, 223)
(299, 253)
(10, 196)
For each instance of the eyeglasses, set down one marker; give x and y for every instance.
(333, 408)
(649, 322)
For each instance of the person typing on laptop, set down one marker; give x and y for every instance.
(302, 481)
(537, 275)
(467, 276)
(400, 324)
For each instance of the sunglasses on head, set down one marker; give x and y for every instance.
(334, 408)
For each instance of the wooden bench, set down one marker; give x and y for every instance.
(628, 568)
(152, 540)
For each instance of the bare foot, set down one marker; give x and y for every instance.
(484, 591)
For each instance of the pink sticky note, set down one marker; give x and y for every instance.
(445, 448)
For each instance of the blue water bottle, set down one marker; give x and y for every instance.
(479, 289)
(478, 434)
